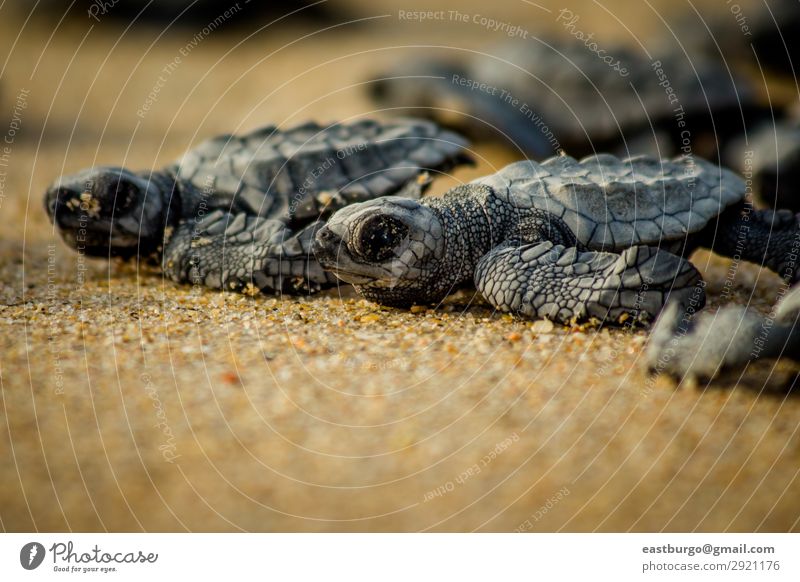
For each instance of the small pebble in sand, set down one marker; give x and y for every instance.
(542, 326)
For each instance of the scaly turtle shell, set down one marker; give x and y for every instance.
(291, 174)
(612, 204)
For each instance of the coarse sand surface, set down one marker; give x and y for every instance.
(130, 403)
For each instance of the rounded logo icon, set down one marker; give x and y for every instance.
(31, 555)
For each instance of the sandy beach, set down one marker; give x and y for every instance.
(130, 403)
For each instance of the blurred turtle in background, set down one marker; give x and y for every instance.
(544, 95)
(769, 156)
(759, 35)
(700, 90)
(189, 12)
(761, 40)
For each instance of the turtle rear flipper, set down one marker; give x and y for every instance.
(564, 284)
(244, 253)
(770, 238)
(702, 347)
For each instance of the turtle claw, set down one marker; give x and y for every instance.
(673, 346)
(664, 329)
(698, 349)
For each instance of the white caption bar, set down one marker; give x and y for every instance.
(401, 557)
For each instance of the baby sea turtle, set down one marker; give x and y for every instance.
(546, 95)
(602, 238)
(240, 212)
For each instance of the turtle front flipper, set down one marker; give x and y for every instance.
(564, 284)
(244, 253)
(700, 348)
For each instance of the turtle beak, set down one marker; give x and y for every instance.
(328, 250)
(325, 247)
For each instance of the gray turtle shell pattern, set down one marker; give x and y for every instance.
(286, 174)
(612, 204)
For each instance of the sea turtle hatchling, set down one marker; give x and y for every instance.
(563, 239)
(240, 212)
(551, 94)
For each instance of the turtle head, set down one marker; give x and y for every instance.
(108, 211)
(391, 249)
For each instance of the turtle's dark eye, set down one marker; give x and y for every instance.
(378, 236)
(126, 195)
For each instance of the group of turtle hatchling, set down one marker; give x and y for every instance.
(605, 237)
